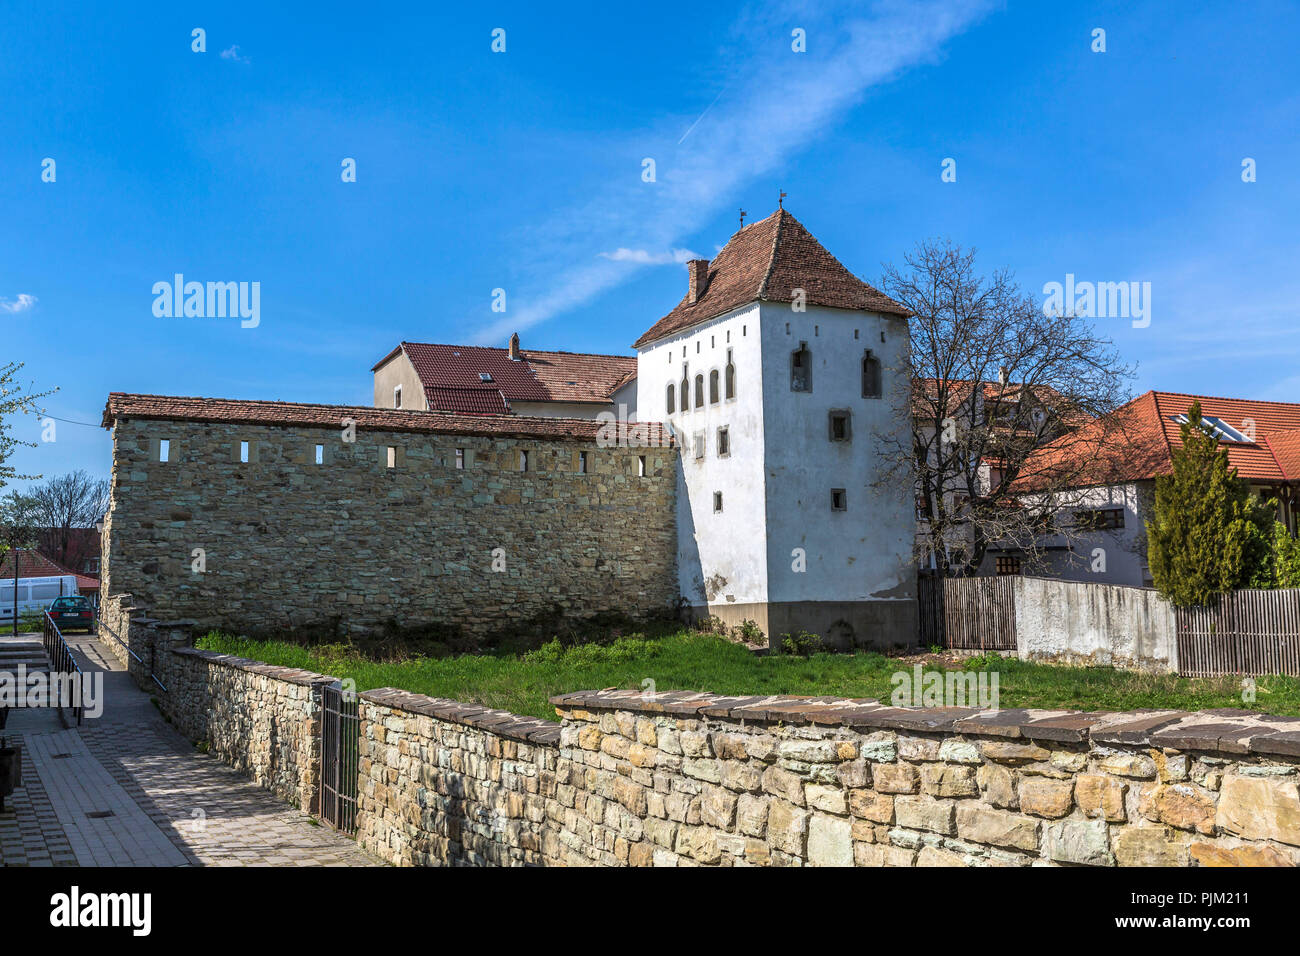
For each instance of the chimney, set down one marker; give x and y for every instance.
(514, 347)
(698, 271)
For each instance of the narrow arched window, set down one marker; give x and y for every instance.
(801, 369)
(685, 392)
(672, 398)
(729, 377)
(713, 387)
(699, 391)
(870, 376)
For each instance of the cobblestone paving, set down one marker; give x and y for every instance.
(127, 789)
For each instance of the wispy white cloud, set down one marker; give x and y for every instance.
(21, 304)
(777, 104)
(232, 53)
(647, 258)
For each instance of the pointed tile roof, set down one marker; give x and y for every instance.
(766, 261)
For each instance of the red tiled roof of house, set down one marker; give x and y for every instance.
(1152, 435)
(484, 400)
(1284, 444)
(766, 261)
(537, 377)
(233, 411)
(33, 564)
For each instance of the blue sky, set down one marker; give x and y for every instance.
(522, 170)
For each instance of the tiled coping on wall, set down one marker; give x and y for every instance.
(1227, 730)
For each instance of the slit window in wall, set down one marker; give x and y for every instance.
(699, 391)
(870, 376)
(523, 461)
(672, 398)
(698, 441)
(713, 387)
(582, 462)
(397, 396)
(729, 377)
(839, 499)
(640, 466)
(724, 442)
(840, 425)
(801, 369)
(717, 502)
(460, 459)
(391, 456)
(685, 391)
(164, 449)
(319, 454)
(243, 452)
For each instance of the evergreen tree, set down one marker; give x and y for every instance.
(1208, 535)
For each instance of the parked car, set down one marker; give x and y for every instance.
(75, 611)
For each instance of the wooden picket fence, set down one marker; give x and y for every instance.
(1249, 632)
(972, 614)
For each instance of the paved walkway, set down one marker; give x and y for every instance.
(125, 789)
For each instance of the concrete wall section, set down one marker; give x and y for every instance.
(1071, 622)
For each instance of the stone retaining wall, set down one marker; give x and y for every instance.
(445, 783)
(261, 719)
(676, 778)
(633, 779)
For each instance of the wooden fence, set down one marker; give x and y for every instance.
(1249, 632)
(974, 614)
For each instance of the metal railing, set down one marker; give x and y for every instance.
(101, 627)
(63, 664)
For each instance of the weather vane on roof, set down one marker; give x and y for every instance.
(780, 202)
(742, 219)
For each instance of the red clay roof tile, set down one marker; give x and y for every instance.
(767, 261)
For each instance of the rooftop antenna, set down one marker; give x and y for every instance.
(742, 218)
(780, 202)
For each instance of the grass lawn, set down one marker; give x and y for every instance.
(521, 683)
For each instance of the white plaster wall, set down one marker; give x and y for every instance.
(723, 556)
(1124, 562)
(1073, 622)
(864, 552)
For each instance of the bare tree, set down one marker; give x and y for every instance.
(14, 398)
(994, 378)
(61, 508)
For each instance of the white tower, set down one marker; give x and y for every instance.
(781, 374)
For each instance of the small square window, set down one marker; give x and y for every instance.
(724, 442)
(699, 446)
(717, 502)
(460, 458)
(320, 454)
(839, 499)
(1008, 564)
(164, 449)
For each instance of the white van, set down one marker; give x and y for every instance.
(34, 594)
